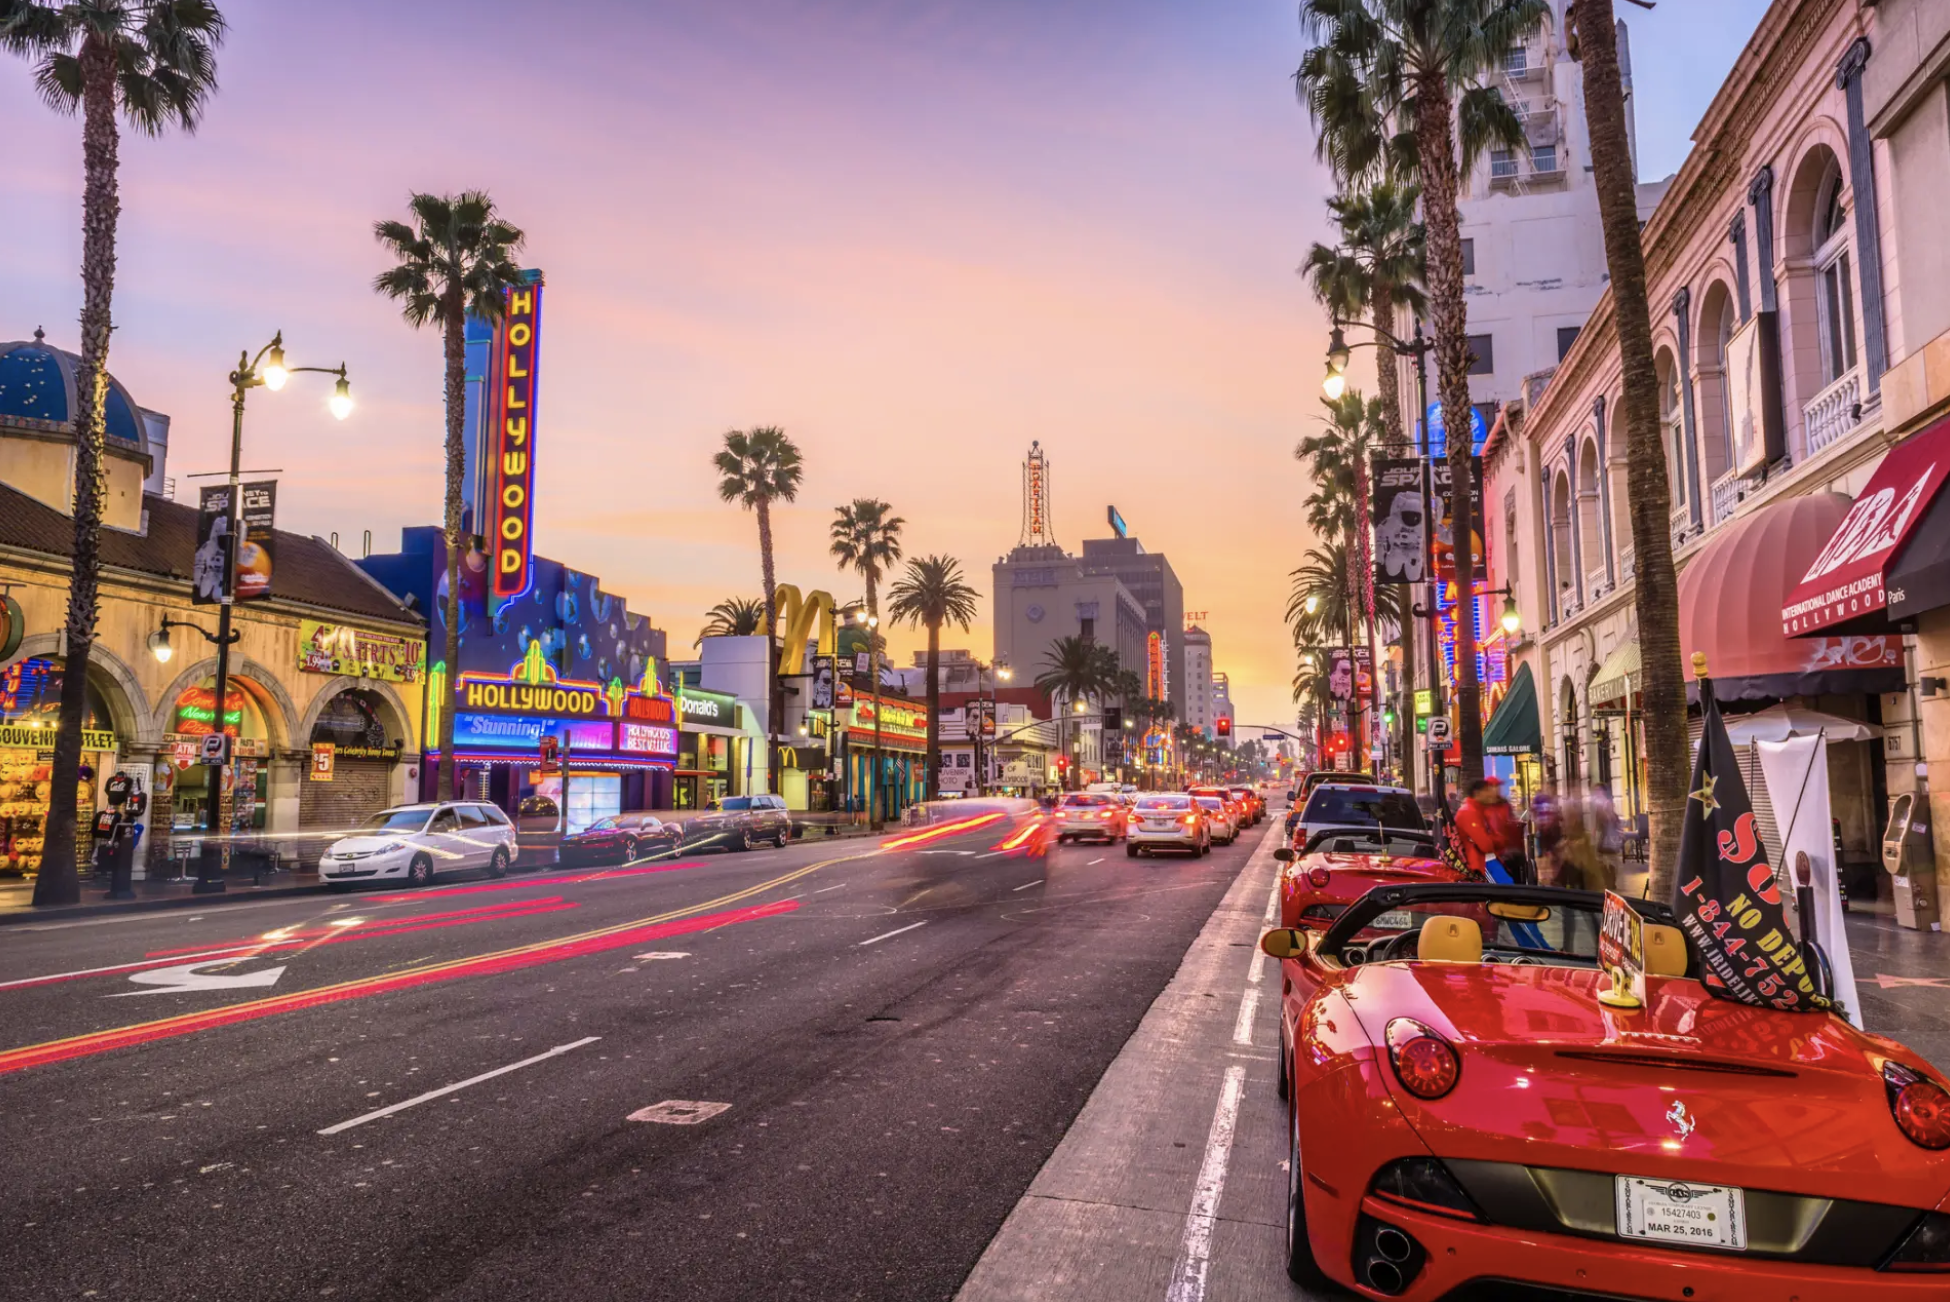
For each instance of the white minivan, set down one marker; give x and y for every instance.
(418, 842)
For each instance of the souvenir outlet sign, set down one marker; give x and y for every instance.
(341, 649)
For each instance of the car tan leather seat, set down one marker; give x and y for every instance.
(1448, 939)
(1665, 950)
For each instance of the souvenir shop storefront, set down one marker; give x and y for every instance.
(561, 755)
(186, 787)
(897, 769)
(30, 699)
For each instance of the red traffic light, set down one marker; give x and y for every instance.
(1224, 726)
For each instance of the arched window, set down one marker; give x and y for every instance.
(1672, 425)
(1834, 291)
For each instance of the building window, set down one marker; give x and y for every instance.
(1469, 257)
(1516, 60)
(1543, 159)
(1503, 164)
(1672, 421)
(1088, 629)
(1482, 355)
(1510, 538)
(1834, 292)
(1566, 336)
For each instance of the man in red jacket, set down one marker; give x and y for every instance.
(1488, 828)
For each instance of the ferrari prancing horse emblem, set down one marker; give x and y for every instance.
(1681, 1121)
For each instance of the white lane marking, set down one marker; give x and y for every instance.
(656, 954)
(990, 855)
(678, 1112)
(1242, 1030)
(1256, 968)
(189, 978)
(1094, 862)
(1188, 1272)
(895, 932)
(121, 967)
(445, 1090)
(835, 886)
(1025, 886)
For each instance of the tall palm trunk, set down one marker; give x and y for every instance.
(773, 650)
(1387, 370)
(58, 882)
(934, 710)
(1656, 596)
(1448, 317)
(873, 687)
(455, 322)
(1352, 605)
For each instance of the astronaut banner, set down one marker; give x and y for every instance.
(1401, 520)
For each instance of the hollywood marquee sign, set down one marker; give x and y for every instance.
(512, 512)
(562, 700)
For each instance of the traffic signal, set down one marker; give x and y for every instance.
(1224, 726)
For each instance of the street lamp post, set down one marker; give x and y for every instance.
(998, 673)
(273, 374)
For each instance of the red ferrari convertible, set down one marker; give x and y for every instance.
(1470, 1123)
(1338, 865)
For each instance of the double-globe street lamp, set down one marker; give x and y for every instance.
(999, 673)
(269, 370)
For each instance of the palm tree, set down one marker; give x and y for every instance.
(733, 617)
(758, 469)
(1656, 595)
(1338, 458)
(153, 63)
(932, 593)
(455, 258)
(1376, 269)
(1380, 68)
(1076, 670)
(867, 540)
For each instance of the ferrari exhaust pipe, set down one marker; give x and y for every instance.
(1392, 1244)
(1384, 1276)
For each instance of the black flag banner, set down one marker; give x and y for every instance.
(1727, 899)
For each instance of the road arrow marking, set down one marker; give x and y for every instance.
(656, 954)
(189, 977)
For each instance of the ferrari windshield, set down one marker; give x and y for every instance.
(1517, 922)
(1396, 843)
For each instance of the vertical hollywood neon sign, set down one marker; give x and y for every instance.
(518, 348)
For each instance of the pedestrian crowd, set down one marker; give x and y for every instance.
(1576, 841)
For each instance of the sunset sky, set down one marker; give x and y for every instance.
(915, 234)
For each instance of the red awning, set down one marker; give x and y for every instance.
(1844, 582)
(1730, 599)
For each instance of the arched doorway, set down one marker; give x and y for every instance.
(243, 795)
(1567, 722)
(356, 741)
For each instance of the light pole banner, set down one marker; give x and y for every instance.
(257, 514)
(1401, 516)
(511, 515)
(213, 545)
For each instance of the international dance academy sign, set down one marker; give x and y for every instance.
(518, 348)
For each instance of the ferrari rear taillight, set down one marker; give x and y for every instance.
(1425, 1062)
(1318, 878)
(1424, 1183)
(1920, 1105)
(1926, 1248)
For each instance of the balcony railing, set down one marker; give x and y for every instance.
(1835, 412)
(1628, 560)
(1728, 489)
(1596, 583)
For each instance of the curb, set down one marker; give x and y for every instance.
(15, 917)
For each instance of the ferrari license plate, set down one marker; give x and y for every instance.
(1674, 1211)
(1394, 920)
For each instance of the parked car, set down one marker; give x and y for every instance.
(1227, 817)
(621, 838)
(739, 823)
(419, 842)
(1168, 821)
(1468, 1119)
(1337, 804)
(1086, 816)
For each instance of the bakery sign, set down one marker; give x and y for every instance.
(341, 649)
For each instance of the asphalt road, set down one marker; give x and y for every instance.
(901, 1037)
